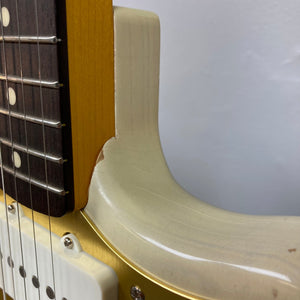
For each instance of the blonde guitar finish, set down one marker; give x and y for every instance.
(193, 248)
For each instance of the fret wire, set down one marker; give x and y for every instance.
(30, 39)
(47, 187)
(55, 159)
(32, 119)
(31, 81)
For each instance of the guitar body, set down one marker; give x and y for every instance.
(128, 212)
(90, 35)
(92, 242)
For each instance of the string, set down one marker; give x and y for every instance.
(2, 268)
(1, 265)
(44, 145)
(27, 155)
(1, 161)
(2, 276)
(6, 215)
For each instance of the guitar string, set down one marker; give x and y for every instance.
(13, 158)
(27, 154)
(1, 160)
(6, 216)
(44, 146)
(2, 275)
(1, 253)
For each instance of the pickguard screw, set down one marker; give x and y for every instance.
(68, 243)
(136, 293)
(11, 209)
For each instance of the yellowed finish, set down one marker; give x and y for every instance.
(92, 244)
(91, 75)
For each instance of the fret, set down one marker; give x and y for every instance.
(35, 75)
(27, 21)
(30, 39)
(31, 119)
(39, 200)
(29, 62)
(53, 136)
(31, 81)
(55, 159)
(31, 104)
(20, 161)
(58, 191)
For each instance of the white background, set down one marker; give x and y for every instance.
(230, 100)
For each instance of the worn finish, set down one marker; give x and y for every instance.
(166, 233)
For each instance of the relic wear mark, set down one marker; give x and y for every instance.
(275, 293)
(100, 157)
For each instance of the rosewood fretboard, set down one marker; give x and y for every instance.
(35, 133)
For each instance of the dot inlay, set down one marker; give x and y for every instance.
(12, 98)
(16, 160)
(5, 16)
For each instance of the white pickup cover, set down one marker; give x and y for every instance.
(77, 275)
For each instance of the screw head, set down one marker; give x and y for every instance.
(68, 242)
(11, 209)
(136, 293)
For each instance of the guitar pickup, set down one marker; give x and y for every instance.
(39, 272)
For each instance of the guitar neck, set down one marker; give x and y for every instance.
(49, 142)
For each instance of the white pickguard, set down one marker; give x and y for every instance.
(77, 275)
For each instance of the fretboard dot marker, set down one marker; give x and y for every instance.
(5, 16)
(17, 160)
(12, 98)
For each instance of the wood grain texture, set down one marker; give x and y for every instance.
(91, 78)
(27, 20)
(192, 247)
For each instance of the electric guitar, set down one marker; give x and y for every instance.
(89, 209)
